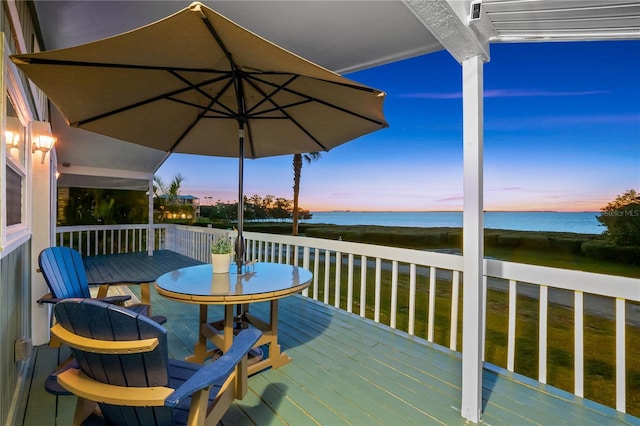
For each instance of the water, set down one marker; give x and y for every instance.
(578, 222)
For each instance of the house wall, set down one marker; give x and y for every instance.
(15, 323)
(17, 243)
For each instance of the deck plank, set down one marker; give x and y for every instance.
(350, 371)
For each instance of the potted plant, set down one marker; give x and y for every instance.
(221, 253)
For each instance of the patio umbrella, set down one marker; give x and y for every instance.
(196, 82)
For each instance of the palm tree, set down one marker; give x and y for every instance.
(166, 196)
(297, 172)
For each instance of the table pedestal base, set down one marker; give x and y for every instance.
(220, 333)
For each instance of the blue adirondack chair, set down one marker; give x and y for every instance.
(64, 273)
(63, 270)
(123, 365)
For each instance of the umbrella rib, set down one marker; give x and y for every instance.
(188, 129)
(144, 102)
(44, 61)
(205, 94)
(294, 121)
(320, 101)
(222, 114)
(336, 83)
(268, 98)
(280, 109)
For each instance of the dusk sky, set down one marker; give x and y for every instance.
(562, 132)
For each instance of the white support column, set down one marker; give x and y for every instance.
(151, 239)
(473, 244)
(43, 213)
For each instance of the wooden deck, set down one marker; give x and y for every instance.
(347, 371)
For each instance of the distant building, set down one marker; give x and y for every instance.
(183, 200)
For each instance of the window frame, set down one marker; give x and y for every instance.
(12, 236)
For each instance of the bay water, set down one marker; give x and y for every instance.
(578, 222)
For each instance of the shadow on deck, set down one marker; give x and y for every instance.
(346, 371)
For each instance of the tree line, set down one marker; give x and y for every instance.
(256, 208)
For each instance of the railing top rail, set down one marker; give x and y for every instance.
(76, 228)
(418, 257)
(588, 282)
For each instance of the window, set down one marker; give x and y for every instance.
(15, 166)
(14, 197)
(14, 135)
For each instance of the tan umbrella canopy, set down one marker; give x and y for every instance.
(198, 83)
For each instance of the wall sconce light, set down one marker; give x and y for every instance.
(12, 138)
(12, 132)
(42, 138)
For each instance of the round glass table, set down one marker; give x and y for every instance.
(261, 281)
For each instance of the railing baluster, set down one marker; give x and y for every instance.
(350, 283)
(621, 367)
(542, 334)
(511, 333)
(363, 286)
(378, 287)
(484, 317)
(305, 265)
(316, 271)
(578, 343)
(327, 272)
(455, 296)
(394, 294)
(336, 296)
(432, 303)
(261, 254)
(412, 298)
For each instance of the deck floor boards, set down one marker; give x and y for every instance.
(346, 371)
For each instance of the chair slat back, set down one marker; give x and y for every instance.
(99, 320)
(63, 270)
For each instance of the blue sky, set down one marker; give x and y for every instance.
(562, 132)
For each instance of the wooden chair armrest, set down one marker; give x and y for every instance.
(103, 346)
(76, 382)
(115, 300)
(48, 298)
(218, 371)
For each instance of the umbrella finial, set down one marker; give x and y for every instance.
(196, 6)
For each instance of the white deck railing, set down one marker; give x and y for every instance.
(92, 240)
(340, 271)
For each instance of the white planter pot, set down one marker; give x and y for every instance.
(221, 263)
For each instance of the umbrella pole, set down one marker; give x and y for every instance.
(240, 239)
